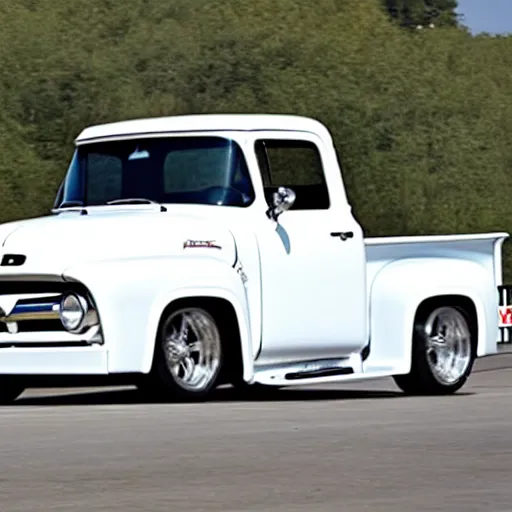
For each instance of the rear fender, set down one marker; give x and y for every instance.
(402, 286)
(132, 294)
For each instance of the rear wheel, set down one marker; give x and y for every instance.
(443, 352)
(188, 356)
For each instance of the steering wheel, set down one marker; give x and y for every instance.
(227, 196)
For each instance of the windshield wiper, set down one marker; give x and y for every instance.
(137, 200)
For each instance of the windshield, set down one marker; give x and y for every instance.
(190, 170)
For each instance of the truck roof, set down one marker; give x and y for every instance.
(204, 122)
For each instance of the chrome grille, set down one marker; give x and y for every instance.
(22, 313)
(29, 313)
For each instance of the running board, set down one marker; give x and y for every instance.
(303, 372)
(324, 372)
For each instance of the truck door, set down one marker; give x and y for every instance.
(313, 264)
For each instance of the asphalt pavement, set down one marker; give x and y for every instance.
(356, 447)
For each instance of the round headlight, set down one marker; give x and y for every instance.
(72, 311)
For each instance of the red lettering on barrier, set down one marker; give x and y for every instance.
(505, 316)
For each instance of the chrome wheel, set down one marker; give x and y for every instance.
(448, 345)
(192, 348)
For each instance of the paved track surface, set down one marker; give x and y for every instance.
(357, 447)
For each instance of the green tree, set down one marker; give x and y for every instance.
(411, 13)
(421, 119)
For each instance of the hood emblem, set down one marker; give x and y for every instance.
(208, 244)
(13, 260)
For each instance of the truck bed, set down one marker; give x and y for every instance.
(484, 248)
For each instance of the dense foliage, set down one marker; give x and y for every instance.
(422, 119)
(414, 13)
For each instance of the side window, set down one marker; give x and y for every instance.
(105, 178)
(297, 165)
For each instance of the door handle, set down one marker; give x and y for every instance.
(343, 235)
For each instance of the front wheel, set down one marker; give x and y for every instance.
(10, 390)
(255, 390)
(188, 356)
(443, 353)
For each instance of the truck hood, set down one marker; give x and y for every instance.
(52, 244)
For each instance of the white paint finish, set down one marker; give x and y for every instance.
(394, 301)
(132, 294)
(54, 361)
(321, 277)
(248, 260)
(116, 233)
(484, 249)
(313, 288)
(418, 239)
(8, 228)
(404, 271)
(321, 298)
(47, 337)
(204, 123)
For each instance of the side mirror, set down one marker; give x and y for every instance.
(283, 200)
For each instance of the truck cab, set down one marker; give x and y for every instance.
(193, 251)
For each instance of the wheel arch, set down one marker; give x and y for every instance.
(463, 303)
(221, 304)
(131, 295)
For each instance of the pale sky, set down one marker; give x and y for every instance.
(493, 16)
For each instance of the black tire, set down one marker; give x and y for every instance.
(255, 391)
(163, 383)
(423, 378)
(10, 390)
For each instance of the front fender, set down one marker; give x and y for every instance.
(401, 286)
(131, 295)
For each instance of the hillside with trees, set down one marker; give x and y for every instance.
(422, 119)
(414, 13)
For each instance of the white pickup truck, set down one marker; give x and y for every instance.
(188, 252)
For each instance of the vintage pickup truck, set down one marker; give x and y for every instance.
(187, 252)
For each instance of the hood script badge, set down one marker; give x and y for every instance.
(209, 244)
